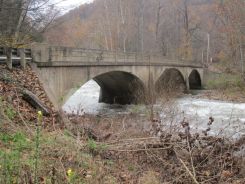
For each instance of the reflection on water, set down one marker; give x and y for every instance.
(229, 117)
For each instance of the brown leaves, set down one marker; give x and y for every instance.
(11, 85)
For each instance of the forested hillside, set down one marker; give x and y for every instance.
(176, 28)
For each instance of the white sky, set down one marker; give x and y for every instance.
(66, 5)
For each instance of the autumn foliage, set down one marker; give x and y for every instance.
(176, 28)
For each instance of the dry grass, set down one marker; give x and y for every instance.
(149, 177)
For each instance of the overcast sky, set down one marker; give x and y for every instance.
(66, 5)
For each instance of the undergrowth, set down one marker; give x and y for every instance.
(224, 81)
(61, 156)
(41, 156)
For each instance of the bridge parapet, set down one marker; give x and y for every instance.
(56, 54)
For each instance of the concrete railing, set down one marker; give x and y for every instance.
(61, 54)
(45, 53)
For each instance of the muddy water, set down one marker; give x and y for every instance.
(229, 118)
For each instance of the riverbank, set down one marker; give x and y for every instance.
(100, 149)
(224, 86)
(140, 151)
(236, 95)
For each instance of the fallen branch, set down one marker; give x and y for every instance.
(34, 101)
(136, 150)
(186, 168)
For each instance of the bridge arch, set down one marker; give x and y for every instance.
(171, 80)
(116, 86)
(120, 87)
(195, 80)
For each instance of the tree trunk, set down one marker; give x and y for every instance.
(9, 58)
(158, 19)
(1, 5)
(122, 15)
(108, 23)
(187, 36)
(142, 25)
(22, 58)
(35, 102)
(103, 34)
(208, 48)
(24, 8)
(241, 52)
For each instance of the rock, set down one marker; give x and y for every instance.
(35, 102)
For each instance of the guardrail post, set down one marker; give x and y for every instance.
(22, 58)
(1, 51)
(49, 54)
(9, 57)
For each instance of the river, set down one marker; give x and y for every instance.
(229, 118)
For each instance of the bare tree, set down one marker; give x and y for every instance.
(22, 21)
(123, 11)
(108, 22)
(141, 25)
(159, 8)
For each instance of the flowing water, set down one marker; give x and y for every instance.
(229, 118)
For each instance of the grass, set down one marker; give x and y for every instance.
(231, 86)
(95, 148)
(149, 177)
(13, 149)
(48, 157)
(224, 81)
(10, 112)
(39, 156)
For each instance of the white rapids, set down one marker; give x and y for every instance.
(229, 118)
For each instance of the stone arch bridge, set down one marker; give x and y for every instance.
(123, 77)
